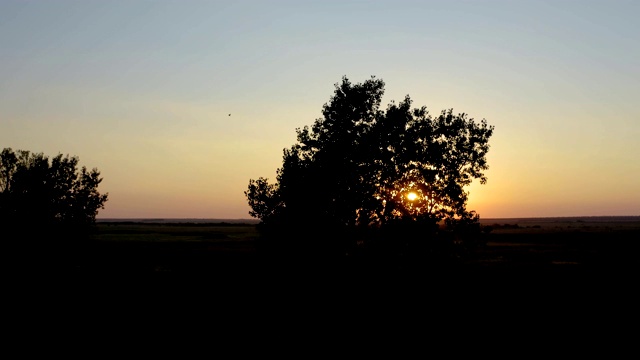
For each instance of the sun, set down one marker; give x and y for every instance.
(412, 196)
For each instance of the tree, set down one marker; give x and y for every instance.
(360, 168)
(53, 197)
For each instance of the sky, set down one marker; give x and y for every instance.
(142, 91)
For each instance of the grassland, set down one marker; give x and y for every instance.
(217, 249)
(557, 264)
(581, 241)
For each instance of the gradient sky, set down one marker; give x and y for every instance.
(142, 90)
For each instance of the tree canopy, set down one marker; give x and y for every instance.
(359, 166)
(41, 195)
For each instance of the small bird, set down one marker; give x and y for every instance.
(229, 114)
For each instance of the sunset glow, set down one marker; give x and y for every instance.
(179, 103)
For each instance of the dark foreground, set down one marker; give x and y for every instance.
(576, 274)
(572, 266)
(518, 253)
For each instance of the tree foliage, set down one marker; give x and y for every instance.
(355, 167)
(53, 196)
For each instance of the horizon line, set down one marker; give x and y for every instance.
(253, 219)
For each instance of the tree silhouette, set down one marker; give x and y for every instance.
(47, 200)
(358, 170)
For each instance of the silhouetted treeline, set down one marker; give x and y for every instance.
(47, 202)
(362, 179)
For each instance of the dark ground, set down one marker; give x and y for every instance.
(574, 266)
(517, 253)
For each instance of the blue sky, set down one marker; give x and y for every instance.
(142, 91)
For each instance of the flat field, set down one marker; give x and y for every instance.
(558, 264)
(174, 248)
(170, 248)
(602, 242)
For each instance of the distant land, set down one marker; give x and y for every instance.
(590, 219)
(179, 220)
(633, 218)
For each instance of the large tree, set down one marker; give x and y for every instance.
(41, 196)
(361, 167)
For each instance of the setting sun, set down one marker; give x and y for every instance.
(412, 196)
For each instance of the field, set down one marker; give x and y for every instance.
(580, 241)
(224, 250)
(160, 249)
(562, 265)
